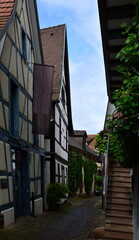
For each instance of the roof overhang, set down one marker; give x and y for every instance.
(112, 14)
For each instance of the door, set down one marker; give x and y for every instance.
(21, 182)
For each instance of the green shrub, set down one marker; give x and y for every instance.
(56, 191)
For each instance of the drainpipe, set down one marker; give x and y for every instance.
(105, 178)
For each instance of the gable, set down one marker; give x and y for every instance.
(53, 43)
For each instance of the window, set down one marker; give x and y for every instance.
(14, 110)
(24, 45)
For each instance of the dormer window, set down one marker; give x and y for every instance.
(24, 45)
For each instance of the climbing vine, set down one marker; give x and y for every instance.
(90, 168)
(75, 163)
(101, 141)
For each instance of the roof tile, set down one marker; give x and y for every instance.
(6, 8)
(53, 46)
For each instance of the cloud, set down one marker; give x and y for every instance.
(88, 89)
(79, 6)
(88, 95)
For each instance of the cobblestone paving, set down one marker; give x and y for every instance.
(75, 223)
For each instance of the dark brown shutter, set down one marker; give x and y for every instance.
(42, 98)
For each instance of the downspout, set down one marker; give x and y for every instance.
(105, 178)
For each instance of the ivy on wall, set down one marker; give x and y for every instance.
(75, 165)
(90, 168)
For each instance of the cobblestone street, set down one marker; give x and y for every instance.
(75, 222)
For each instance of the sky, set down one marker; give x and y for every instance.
(86, 67)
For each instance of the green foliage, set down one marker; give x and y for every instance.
(90, 169)
(98, 183)
(124, 139)
(75, 164)
(56, 191)
(101, 141)
(98, 180)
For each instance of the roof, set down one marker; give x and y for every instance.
(55, 51)
(80, 133)
(6, 9)
(73, 143)
(112, 14)
(91, 141)
(53, 43)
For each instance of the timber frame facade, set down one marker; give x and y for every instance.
(21, 153)
(55, 50)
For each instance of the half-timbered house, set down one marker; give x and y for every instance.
(21, 152)
(55, 50)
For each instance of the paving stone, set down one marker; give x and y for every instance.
(74, 224)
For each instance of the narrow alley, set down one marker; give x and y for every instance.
(74, 222)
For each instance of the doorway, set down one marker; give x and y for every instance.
(20, 182)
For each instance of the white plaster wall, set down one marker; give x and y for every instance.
(38, 206)
(47, 173)
(47, 145)
(57, 132)
(110, 108)
(56, 115)
(1, 44)
(8, 216)
(60, 151)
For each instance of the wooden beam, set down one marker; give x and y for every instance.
(121, 12)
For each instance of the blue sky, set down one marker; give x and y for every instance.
(87, 76)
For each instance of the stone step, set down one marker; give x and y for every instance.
(118, 221)
(120, 207)
(111, 200)
(119, 184)
(114, 235)
(120, 174)
(119, 179)
(118, 216)
(119, 228)
(116, 211)
(119, 169)
(119, 189)
(117, 195)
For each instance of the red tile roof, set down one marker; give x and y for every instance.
(6, 8)
(53, 42)
(91, 141)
